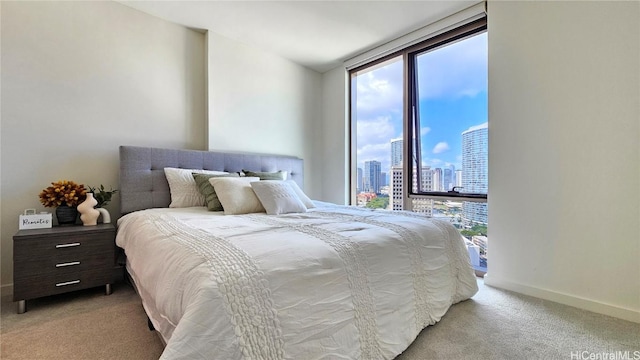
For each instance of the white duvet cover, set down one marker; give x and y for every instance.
(335, 282)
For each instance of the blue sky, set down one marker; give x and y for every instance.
(453, 97)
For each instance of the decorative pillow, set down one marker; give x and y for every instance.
(184, 192)
(278, 197)
(236, 195)
(206, 189)
(263, 175)
(303, 197)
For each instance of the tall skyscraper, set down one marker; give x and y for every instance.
(359, 180)
(371, 177)
(475, 171)
(396, 152)
(437, 180)
(448, 178)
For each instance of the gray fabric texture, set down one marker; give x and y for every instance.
(143, 184)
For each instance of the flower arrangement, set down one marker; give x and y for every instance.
(101, 195)
(63, 192)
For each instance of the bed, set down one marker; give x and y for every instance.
(323, 282)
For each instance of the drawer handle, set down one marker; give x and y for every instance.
(59, 246)
(68, 283)
(68, 264)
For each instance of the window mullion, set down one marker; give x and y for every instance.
(407, 134)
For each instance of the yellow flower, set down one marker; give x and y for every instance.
(63, 192)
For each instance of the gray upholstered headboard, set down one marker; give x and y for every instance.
(143, 184)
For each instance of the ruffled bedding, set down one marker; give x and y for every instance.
(334, 282)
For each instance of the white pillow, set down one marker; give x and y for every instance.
(183, 188)
(303, 197)
(278, 197)
(236, 195)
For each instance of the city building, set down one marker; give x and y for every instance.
(448, 178)
(482, 242)
(475, 171)
(395, 193)
(437, 180)
(396, 152)
(423, 206)
(458, 177)
(371, 177)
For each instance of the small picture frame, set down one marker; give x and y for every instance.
(30, 211)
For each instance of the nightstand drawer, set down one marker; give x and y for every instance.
(58, 283)
(62, 247)
(61, 264)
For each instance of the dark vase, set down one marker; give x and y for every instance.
(66, 215)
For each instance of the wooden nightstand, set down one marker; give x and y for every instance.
(62, 259)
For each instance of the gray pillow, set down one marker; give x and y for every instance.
(265, 175)
(206, 189)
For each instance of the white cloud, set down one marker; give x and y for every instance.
(432, 162)
(378, 130)
(440, 147)
(370, 151)
(380, 90)
(424, 131)
(454, 71)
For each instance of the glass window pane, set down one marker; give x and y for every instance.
(377, 103)
(453, 110)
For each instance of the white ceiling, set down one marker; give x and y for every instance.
(316, 34)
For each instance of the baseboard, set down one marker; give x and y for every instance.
(566, 299)
(6, 289)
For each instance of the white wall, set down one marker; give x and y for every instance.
(564, 159)
(78, 80)
(81, 78)
(262, 103)
(335, 173)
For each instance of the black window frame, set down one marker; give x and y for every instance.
(410, 105)
(412, 122)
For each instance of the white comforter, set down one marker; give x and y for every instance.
(333, 283)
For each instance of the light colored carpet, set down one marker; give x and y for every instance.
(494, 324)
(497, 324)
(79, 325)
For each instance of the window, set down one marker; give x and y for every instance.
(428, 100)
(447, 90)
(377, 118)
